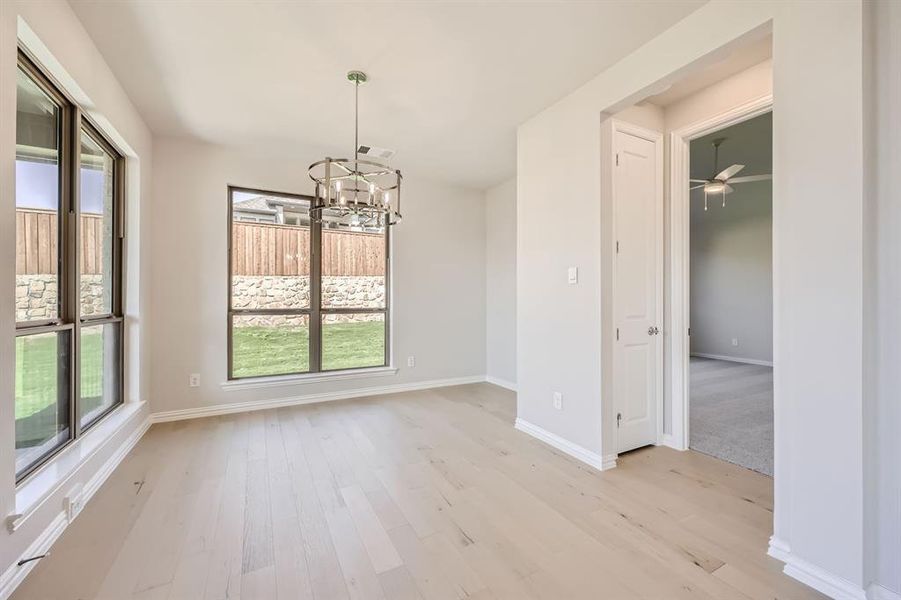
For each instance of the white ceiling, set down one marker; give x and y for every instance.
(449, 81)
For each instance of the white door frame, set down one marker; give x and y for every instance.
(656, 137)
(680, 252)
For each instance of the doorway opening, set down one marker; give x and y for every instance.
(731, 294)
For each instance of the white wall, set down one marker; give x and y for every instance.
(54, 34)
(500, 291)
(438, 276)
(818, 242)
(883, 416)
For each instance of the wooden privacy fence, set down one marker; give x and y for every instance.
(267, 249)
(37, 241)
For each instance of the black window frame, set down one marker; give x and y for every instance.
(316, 311)
(73, 122)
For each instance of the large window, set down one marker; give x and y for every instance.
(304, 297)
(68, 266)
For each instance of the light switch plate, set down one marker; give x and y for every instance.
(572, 275)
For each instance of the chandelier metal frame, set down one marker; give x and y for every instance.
(357, 192)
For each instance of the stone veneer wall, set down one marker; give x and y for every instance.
(266, 292)
(36, 296)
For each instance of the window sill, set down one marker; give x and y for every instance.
(257, 383)
(38, 487)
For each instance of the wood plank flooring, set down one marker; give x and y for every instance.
(426, 495)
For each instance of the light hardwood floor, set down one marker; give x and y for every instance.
(427, 494)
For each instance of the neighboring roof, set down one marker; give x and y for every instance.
(255, 204)
(266, 204)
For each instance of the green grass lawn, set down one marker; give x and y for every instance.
(275, 351)
(258, 351)
(36, 371)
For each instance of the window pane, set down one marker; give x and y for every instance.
(42, 391)
(353, 268)
(270, 345)
(37, 202)
(270, 251)
(96, 228)
(100, 370)
(353, 340)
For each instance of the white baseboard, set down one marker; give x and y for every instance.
(823, 581)
(15, 574)
(501, 382)
(601, 463)
(238, 407)
(832, 585)
(779, 549)
(878, 592)
(738, 359)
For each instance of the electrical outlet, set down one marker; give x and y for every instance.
(558, 400)
(194, 380)
(73, 502)
(411, 361)
(735, 341)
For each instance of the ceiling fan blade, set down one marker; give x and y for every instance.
(729, 189)
(698, 180)
(729, 172)
(748, 178)
(695, 187)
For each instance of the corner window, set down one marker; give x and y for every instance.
(304, 297)
(68, 271)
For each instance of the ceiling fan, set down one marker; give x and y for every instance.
(720, 183)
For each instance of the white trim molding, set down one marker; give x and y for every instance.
(737, 359)
(592, 459)
(822, 580)
(256, 383)
(239, 407)
(779, 549)
(59, 470)
(15, 574)
(510, 385)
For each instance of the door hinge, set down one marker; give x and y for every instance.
(617, 246)
(617, 159)
(617, 333)
(689, 332)
(619, 418)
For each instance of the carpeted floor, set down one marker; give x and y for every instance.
(731, 411)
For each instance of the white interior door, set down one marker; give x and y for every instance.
(638, 285)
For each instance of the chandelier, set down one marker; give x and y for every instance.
(359, 193)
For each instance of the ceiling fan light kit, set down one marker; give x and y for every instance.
(357, 193)
(719, 183)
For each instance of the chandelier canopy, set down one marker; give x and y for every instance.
(359, 193)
